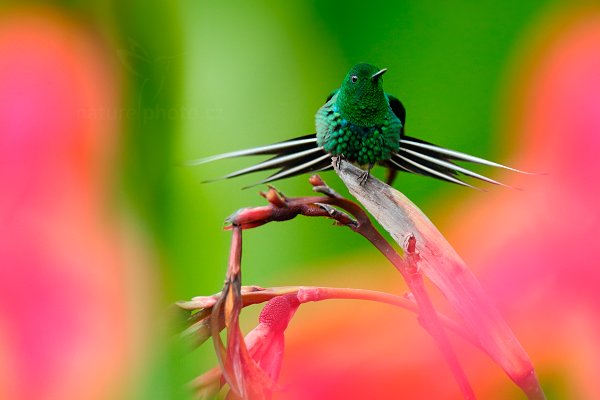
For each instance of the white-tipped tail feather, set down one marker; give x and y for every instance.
(456, 155)
(452, 166)
(425, 170)
(269, 149)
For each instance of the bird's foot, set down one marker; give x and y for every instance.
(338, 161)
(364, 177)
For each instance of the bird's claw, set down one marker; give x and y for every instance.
(363, 178)
(338, 161)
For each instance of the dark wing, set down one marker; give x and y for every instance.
(292, 157)
(331, 95)
(397, 108)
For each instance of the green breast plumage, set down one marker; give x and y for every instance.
(359, 144)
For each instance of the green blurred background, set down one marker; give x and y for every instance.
(204, 77)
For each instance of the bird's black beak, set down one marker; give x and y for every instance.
(377, 74)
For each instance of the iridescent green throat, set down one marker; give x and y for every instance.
(364, 109)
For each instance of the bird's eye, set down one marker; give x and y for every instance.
(354, 78)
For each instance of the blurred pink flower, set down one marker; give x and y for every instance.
(66, 330)
(543, 263)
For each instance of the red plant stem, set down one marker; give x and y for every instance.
(226, 309)
(308, 293)
(414, 279)
(427, 315)
(315, 293)
(246, 379)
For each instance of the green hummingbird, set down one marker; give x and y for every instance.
(364, 125)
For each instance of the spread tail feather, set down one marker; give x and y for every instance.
(292, 157)
(420, 157)
(428, 148)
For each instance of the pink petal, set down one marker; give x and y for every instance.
(66, 329)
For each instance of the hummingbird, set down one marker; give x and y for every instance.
(362, 124)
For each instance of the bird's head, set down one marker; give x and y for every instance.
(361, 97)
